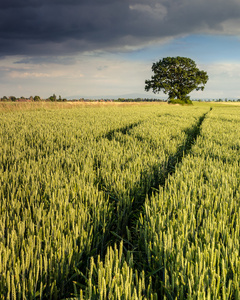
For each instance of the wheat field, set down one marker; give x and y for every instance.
(105, 201)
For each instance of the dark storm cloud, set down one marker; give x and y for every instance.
(58, 27)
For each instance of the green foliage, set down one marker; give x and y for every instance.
(12, 98)
(180, 101)
(53, 98)
(36, 98)
(4, 98)
(177, 77)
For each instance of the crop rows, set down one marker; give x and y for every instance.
(137, 202)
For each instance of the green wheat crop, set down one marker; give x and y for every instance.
(119, 202)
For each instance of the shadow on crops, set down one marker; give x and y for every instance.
(191, 136)
(128, 207)
(124, 130)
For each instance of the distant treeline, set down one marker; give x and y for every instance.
(60, 99)
(54, 98)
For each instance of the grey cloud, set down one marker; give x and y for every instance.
(60, 60)
(101, 68)
(59, 27)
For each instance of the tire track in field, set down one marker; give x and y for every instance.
(129, 232)
(160, 177)
(124, 130)
(173, 160)
(171, 165)
(161, 173)
(169, 168)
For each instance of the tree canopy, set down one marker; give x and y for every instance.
(177, 77)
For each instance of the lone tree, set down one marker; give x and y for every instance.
(177, 77)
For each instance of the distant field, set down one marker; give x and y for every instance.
(230, 103)
(119, 201)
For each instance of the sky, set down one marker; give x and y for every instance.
(106, 48)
